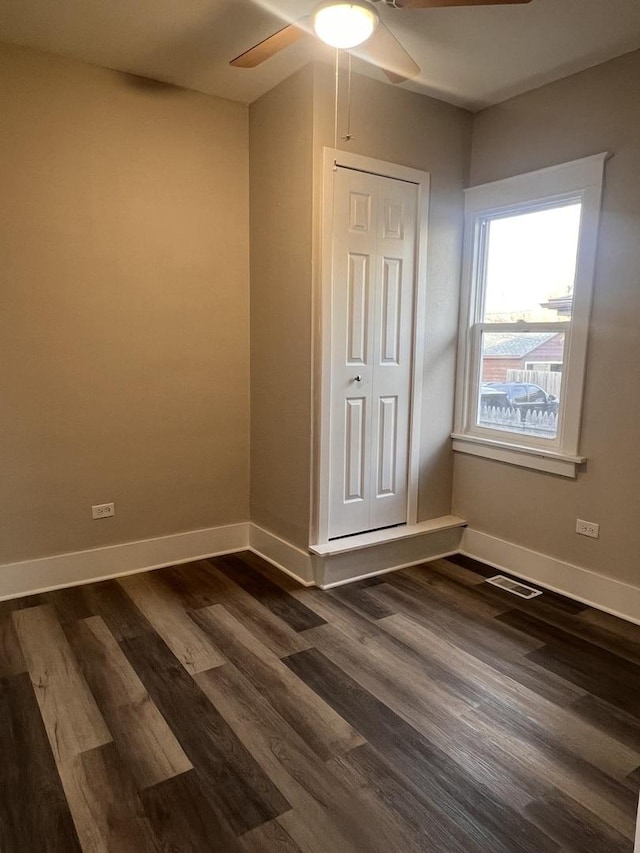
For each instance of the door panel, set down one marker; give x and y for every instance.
(374, 245)
(360, 212)
(355, 462)
(391, 292)
(393, 228)
(387, 446)
(357, 309)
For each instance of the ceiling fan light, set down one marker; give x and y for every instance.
(344, 24)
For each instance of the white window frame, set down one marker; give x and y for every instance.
(579, 180)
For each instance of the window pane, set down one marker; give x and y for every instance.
(531, 265)
(512, 398)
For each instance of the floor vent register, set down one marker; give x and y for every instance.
(514, 587)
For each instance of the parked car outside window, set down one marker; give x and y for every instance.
(527, 398)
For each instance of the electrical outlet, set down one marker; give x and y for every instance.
(103, 510)
(588, 528)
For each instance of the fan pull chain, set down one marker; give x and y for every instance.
(335, 112)
(348, 137)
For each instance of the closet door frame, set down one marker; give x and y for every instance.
(322, 340)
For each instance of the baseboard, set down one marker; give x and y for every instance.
(283, 555)
(42, 575)
(386, 571)
(584, 585)
(344, 567)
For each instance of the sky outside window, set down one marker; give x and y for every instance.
(531, 260)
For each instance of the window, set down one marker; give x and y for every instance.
(530, 247)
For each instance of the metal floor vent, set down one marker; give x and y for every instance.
(514, 587)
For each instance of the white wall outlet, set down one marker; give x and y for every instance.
(588, 528)
(103, 510)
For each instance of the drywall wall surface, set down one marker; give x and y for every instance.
(124, 357)
(281, 215)
(596, 110)
(413, 130)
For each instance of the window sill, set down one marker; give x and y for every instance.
(524, 457)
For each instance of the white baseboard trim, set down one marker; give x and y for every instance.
(419, 562)
(584, 585)
(346, 566)
(283, 555)
(47, 573)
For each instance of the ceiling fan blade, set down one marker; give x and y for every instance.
(433, 4)
(271, 45)
(384, 50)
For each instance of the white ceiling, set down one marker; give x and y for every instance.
(472, 57)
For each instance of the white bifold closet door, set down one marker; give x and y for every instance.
(373, 285)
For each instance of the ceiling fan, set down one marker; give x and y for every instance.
(355, 25)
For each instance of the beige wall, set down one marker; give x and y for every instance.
(597, 110)
(281, 215)
(413, 130)
(124, 280)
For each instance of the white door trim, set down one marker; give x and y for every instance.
(322, 253)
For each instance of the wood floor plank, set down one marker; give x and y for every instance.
(421, 696)
(634, 779)
(281, 604)
(416, 820)
(106, 810)
(426, 583)
(196, 584)
(604, 634)
(108, 600)
(190, 645)
(448, 569)
(576, 829)
(611, 721)
(271, 837)
(595, 670)
(201, 584)
(325, 731)
(185, 820)
(627, 631)
(338, 614)
(34, 813)
(234, 782)
(142, 737)
(606, 798)
(69, 604)
(448, 603)
(71, 717)
(325, 815)
(424, 767)
(363, 603)
(472, 565)
(555, 723)
(12, 660)
(502, 649)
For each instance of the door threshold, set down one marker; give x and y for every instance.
(387, 534)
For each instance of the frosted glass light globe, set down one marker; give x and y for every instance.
(344, 25)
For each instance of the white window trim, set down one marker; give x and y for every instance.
(578, 180)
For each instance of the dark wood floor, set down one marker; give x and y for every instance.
(219, 707)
